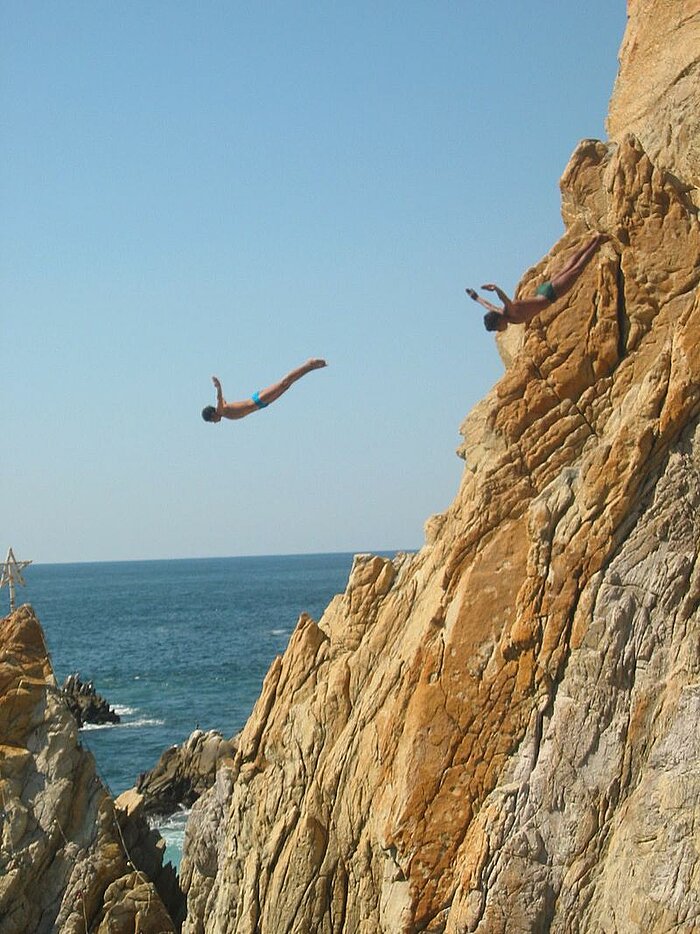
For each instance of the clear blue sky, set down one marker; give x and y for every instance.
(191, 188)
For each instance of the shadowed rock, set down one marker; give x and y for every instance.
(86, 705)
(183, 773)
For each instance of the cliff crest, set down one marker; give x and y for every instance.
(499, 732)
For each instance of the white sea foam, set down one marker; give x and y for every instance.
(123, 710)
(279, 632)
(173, 825)
(172, 830)
(143, 721)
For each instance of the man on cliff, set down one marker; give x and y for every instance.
(520, 311)
(259, 400)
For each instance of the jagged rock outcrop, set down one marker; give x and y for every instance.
(182, 774)
(86, 705)
(655, 95)
(69, 861)
(499, 734)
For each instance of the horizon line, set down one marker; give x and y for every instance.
(380, 552)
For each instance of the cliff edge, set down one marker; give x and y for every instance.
(499, 734)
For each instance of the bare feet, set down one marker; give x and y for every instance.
(472, 294)
(315, 363)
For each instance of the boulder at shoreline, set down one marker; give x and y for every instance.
(86, 705)
(183, 773)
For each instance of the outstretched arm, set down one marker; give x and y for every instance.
(492, 287)
(509, 311)
(220, 402)
(489, 306)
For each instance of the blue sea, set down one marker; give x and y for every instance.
(174, 645)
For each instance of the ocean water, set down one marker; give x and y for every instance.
(173, 645)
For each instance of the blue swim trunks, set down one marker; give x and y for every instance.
(257, 400)
(547, 289)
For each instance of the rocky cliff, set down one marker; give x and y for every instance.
(499, 733)
(69, 860)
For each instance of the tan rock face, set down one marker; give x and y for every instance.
(64, 849)
(655, 94)
(499, 734)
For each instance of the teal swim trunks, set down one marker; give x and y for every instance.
(256, 399)
(547, 289)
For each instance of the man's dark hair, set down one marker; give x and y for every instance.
(491, 320)
(208, 413)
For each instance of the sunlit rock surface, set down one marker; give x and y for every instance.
(655, 95)
(500, 733)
